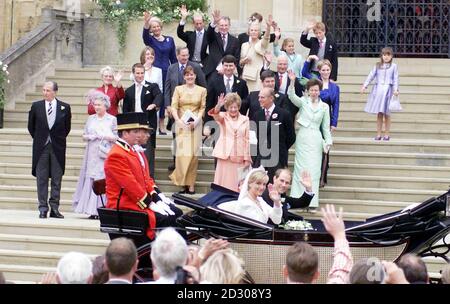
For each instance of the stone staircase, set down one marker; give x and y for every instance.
(366, 178)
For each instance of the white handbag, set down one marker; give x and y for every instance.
(394, 104)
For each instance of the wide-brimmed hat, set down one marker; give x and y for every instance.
(132, 120)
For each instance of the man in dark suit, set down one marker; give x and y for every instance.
(282, 82)
(275, 132)
(144, 97)
(323, 46)
(220, 43)
(175, 78)
(195, 40)
(49, 122)
(250, 105)
(121, 261)
(281, 183)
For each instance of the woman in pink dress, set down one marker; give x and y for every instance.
(233, 147)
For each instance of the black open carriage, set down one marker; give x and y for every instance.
(419, 229)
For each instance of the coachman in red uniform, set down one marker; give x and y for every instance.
(123, 170)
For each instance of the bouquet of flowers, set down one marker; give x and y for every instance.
(297, 225)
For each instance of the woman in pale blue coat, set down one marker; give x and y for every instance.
(309, 144)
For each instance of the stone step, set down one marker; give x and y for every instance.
(385, 157)
(30, 257)
(24, 272)
(393, 146)
(389, 170)
(395, 133)
(397, 123)
(87, 72)
(346, 79)
(51, 243)
(26, 222)
(355, 96)
(389, 182)
(21, 134)
(441, 115)
(407, 107)
(22, 116)
(403, 88)
(400, 195)
(420, 68)
(22, 122)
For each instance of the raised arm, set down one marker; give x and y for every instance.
(297, 101)
(180, 29)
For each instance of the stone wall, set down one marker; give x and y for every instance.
(18, 17)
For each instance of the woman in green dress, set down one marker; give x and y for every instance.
(309, 144)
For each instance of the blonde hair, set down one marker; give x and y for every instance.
(107, 70)
(285, 43)
(223, 267)
(319, 26)
(258, 176)
(323, 62)
(144, 51)
(231, 98)
(157, 20)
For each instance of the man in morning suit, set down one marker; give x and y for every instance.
(323, 46)
(195, 40)
(275, 132)
(121, 261)
(220, 43)
(127, 177)
(282, 82)
(144, 97)
(250, 106)
(49, 122)
(281, 183)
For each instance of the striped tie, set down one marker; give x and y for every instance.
(50, 110)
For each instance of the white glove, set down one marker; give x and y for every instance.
(165, 207)
(165, 199)
(157, 208)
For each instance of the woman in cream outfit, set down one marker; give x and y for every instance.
(252, 54)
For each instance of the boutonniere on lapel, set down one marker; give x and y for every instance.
(238, 81)
(62, 108)
(277, 95)
(274, 116)
(147, 92)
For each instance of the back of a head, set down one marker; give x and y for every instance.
(99, 271)
(414, 268)
(74, 268)
(367, 271)
(120, 256)
(169, 250)
(223, 267)
(302, 262)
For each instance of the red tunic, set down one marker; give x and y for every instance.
(123, 169)
(115, 96)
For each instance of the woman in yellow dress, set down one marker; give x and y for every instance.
(188, 107)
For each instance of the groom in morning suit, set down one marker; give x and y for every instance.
(144, 97)
(49, 122)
